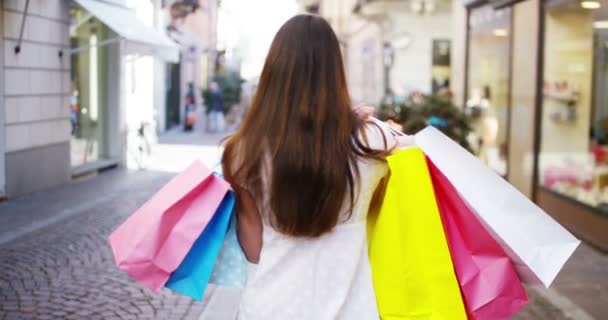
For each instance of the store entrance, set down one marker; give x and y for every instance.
(488, 84)
(89, 92)
(173, 95)
(2, 131)
(601, 83)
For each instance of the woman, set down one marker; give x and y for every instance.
(305, 168)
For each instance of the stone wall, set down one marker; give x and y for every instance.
(35, 97)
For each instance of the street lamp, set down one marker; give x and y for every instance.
(389, 59)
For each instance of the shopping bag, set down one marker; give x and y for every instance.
(192, 275)
(488, 281)
(152, 242)
(230, 268)
(412, 270)
(538, 246)
(191, 119)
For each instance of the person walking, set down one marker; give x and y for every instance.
(216, 113)
(190, 119)
(306, 169)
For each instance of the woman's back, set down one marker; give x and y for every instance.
(320, 278)
(304, 168)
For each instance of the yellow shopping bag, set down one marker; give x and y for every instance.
(411, 265)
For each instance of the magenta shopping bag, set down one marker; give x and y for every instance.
(537, 245)
(488, 281)
(152, 242)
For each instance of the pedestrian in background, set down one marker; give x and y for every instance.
(216, 113)
(74, 109)
(190, 108)
(305, 168)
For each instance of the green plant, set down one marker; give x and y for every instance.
(420, 111)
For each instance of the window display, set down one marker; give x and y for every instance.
(488, 83)
(573, 159)
(88, 96)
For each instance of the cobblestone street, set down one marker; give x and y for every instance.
(55, 262)
(65, 270)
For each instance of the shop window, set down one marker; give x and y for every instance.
(488, 78)
(88, 96)
(573, 158)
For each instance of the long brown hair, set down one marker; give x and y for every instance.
(301, 123)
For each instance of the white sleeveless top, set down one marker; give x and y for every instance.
(324, 278)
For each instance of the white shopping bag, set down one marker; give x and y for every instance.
(537, 244)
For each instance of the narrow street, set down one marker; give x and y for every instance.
(87, 83)
(55, 262)
(66, 270)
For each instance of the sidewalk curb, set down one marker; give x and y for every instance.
(100, 189)
(51, 220)
(562, 303)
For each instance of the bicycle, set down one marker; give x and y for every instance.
(139, 147)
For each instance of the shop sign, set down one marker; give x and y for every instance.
(496, 4)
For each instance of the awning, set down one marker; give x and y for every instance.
(140, 38)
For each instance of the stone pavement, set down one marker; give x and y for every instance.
(66, 271)
(584, 280)
(55, 262)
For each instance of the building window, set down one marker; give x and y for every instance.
(313, 8)
(573, 158)
(440, 70)
(488, 78)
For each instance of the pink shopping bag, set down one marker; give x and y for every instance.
(152, 242)
(487, 278)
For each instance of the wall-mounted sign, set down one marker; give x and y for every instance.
(441, 52)
(499, 4)
(496, 4)
(473, 3)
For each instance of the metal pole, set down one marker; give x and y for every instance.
(18, 46)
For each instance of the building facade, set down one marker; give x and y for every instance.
(115, 48)
(390, 47)
(196, 35)
(538, 69)
(69, 71)
(35, 75)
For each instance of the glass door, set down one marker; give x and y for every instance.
(89, 94)
(488, 78)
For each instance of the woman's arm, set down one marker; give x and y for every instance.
(249, 226)
(392, 130)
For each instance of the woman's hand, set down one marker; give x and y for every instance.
(402, 140)
(405, 141)
(394, 125)
(364, 111)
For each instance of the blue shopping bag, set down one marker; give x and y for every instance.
(231, 266)
(230, 269)
(193, 274)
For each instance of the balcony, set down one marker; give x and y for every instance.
(377, 8)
